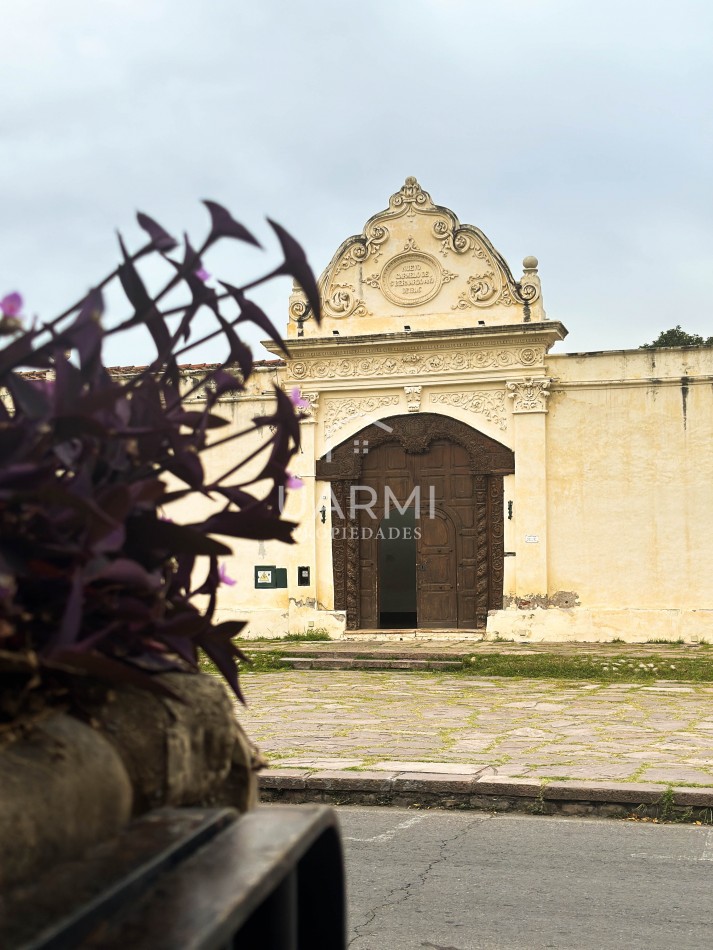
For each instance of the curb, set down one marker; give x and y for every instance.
(486, 791)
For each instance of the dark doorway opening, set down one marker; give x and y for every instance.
(397, 570)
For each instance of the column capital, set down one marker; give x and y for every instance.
(529, 394)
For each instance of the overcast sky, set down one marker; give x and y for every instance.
(580, 132)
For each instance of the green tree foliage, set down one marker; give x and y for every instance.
(678, 337)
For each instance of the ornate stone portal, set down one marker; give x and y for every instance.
(425, 332)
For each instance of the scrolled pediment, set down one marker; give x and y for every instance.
(415, 260)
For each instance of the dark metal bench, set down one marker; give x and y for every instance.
(194, 879)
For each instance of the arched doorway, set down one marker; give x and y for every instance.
(451, 567)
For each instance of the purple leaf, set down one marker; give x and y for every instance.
(235, 495)
(296, 266)
(238, 352)
(113, 671)
(258, 526)
(30, 399)
(144, 307)
(149, 534)
(224, 382)
(71, 618)
(160, 238)
(223, 224)
(126, 572)
(224, 654)
(250, 312)
(196, 420)
(86, 333)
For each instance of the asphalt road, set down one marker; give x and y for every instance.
(436, 880)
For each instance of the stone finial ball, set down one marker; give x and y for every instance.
(530, 263)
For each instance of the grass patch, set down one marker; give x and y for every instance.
(316, 633)
(258, 663)
(307, 635)
(621, 668)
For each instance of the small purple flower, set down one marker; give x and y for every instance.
(11, 305)
(293, 481)
(224, 577)
(297, 399)
(202, 274)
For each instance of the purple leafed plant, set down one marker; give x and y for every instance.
(95, 578)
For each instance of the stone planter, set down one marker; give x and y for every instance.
(69, 784)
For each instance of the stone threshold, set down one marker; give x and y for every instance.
(486, 791)
(415, 634)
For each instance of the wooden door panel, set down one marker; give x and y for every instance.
(367, 587)
(437, 573)
(462, 486)
(438, 483)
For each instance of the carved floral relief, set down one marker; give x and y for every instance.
(488, 403)
(415, 364)
(339, 412)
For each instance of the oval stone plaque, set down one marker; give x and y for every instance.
(411, 279)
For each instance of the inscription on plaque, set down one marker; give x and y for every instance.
(411, 279)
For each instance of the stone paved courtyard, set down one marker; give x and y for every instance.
(521, 728)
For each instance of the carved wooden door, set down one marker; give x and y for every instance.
(459, 473)
(437, 573)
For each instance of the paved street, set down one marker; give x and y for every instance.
(468, 881)
(539, 729)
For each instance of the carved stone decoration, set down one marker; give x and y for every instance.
(489, 461)
(413, 398)
(311, 412)
(529, 395)
(530, 287)
(338, 412)
(482, 290)
(416, 434)
(488, 403)
(411, 279)
(415, 364)
(411, 220)
(343, 302)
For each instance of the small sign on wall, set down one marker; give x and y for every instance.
(532, 539)
(269, 577)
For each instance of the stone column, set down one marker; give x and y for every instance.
(529, 397)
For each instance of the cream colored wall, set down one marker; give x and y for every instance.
(629, 500)
(266, 610)
(630, 478)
